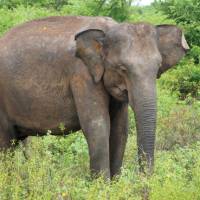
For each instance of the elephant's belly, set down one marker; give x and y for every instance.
(40, 113)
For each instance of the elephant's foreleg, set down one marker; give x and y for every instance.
(118, 134)
(93, 111)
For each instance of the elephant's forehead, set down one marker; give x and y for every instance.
(127, 30)
(141, 29)
(134, 44)
(137, 47)
(137, 37)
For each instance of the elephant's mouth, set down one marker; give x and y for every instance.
(121, 95)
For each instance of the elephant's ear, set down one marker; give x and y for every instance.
(172, 46)
(90, 48)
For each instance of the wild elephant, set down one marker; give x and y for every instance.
(83, 72)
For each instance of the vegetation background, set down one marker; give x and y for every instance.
(57, 167)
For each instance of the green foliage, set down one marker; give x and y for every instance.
(195, 54)
(178, 124)
(185, 13)
(180, 128)
(177, 175)
(10, 18)
(117, 9)
(149, 14)
(184, 80)
(86, 8)
(56, 4)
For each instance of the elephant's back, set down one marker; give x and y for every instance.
(38, 33)
(48, 41)
(44, 48)
(56, 26)
(46, 27)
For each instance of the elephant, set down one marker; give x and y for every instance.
(84, 72)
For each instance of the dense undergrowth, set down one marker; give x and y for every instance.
(58, 167)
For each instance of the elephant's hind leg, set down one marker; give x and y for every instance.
(118, 134)
(7, 136)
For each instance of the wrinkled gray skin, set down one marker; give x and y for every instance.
(83, 72)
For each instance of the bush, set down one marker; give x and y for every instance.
(184, 80)
(56, 4)
(150, 15)
(10, 18)
(178, 124)
(180, 128)
(117, 9)
(176, 175)
(195, 53)
(185, 13)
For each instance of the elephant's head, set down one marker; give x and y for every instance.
(129, 58)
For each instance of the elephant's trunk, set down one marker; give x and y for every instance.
(143, 102)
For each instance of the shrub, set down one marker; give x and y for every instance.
(195, 53)
(185, 13)
(180, 128)
(176, 175)
(149, 14)
(56, 4)
(184, 80)
(117, 9)
(178, 124)
(10, 18)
